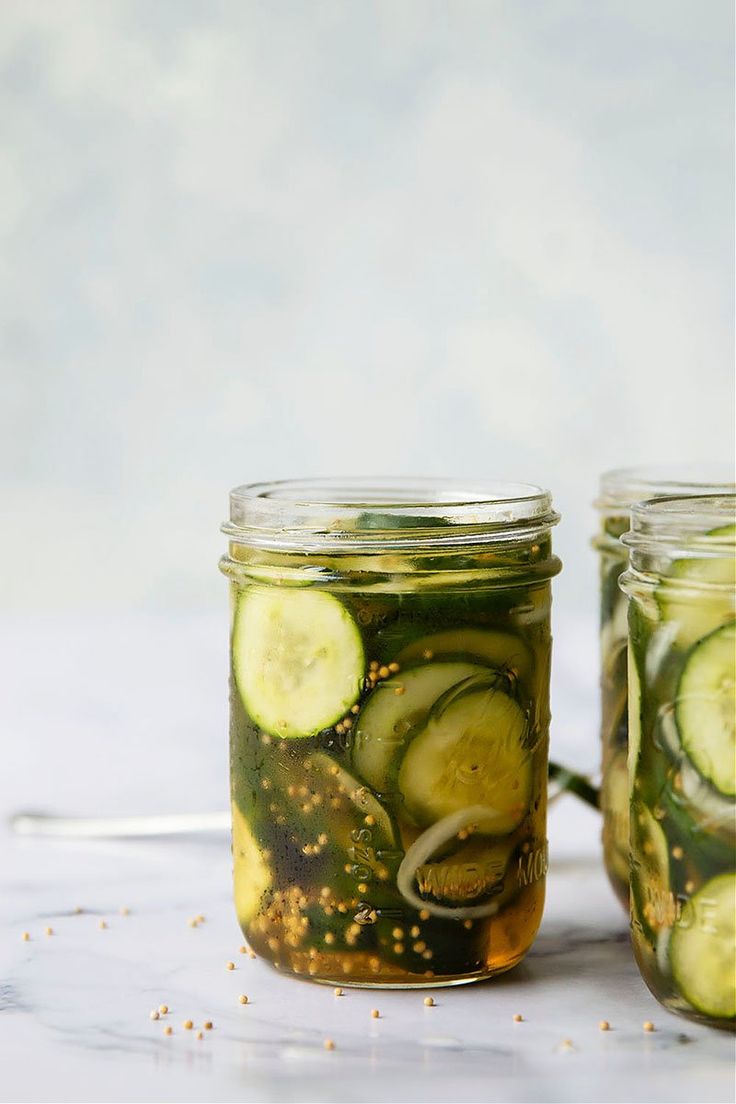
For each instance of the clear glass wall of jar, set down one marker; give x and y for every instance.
(618, 490)
(389, 726)
(681, 585)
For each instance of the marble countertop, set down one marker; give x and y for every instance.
(74, 1005)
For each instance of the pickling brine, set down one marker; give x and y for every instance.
(682, 752)
(389, 727)
(619, 489)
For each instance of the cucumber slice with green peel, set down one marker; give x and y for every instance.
(498, 649)
(650, 873)
(700, 810)
(471, 753)
(702, 949)
(705, 710)
(697, 612)
(332, 778)
(298, 659)
(615, 805)
(634, 708)
(472, 873)
(251, 874)
(394, 712)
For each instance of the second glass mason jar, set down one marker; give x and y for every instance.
(682, 751)
(389, 726)
(619, 489)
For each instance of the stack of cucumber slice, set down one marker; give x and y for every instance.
(407, 783)
(682, 731)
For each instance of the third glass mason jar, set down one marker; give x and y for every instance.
(682, 751)
(390, 660)
(618, 490)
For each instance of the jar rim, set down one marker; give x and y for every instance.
(400, 513)
(620, 488)
(690, 524)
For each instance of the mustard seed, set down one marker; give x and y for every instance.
(429, 1002)
(604, 1025)
(26, 936)
(375, 1014)
(243, 999)
(648, 1025)
(187, 1025)
(102, 925)
(154, 1015)
(48, 931)
(163, 1009)
(518, 1018)
(338, 992)
(200, 1034)
(328, 1044)
(229, 965)
(207, 1025)
(168, 1030)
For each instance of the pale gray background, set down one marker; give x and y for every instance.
(247, 240)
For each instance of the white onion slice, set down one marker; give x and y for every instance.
(481, 815)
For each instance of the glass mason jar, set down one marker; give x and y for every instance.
(618, 490)
(681, 585)
(389, 726)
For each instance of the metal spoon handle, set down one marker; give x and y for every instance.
(41, 824)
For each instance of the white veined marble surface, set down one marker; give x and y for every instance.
(128, 716)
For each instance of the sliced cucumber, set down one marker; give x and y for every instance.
(297, 657)
(409, 881)
(699, 808)
(499, 649)
(696, 615)
(251, 875)
(396, 709)
(473, 872)
(634, 726)
(331, 779)
(703, 949)
(706, 708)
(615, 806)
(471, 753)
(650, 872)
